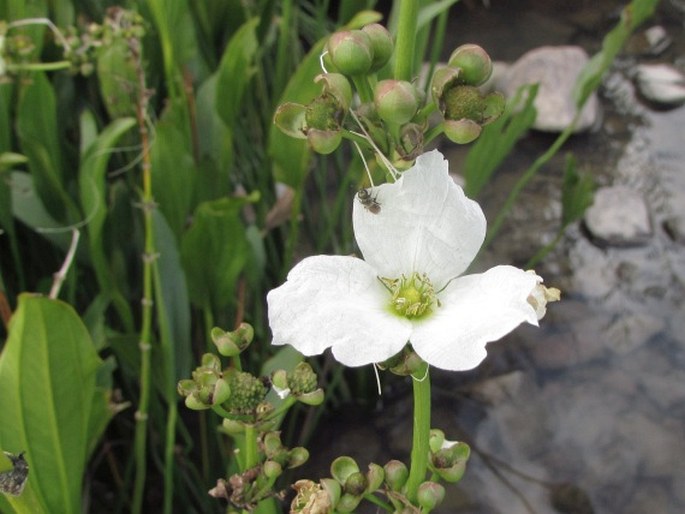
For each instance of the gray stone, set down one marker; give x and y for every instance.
(556, 69)
(661, 84)
(675, 228)
(632, 330)
(618, 217)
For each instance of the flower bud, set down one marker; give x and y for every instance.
(382, 44)
(351, 51)
(375, 476)
(430, 495)
(462, 131)
(297, 457)
(396, 474)
(395, 100)
(356, 484)
(272, 469)
(348, 503)
(272, 445)
(474, 62)
(279, 382)
(343, 467)
(436, 440)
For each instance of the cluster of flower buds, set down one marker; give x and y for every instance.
(350, 485)
(455, 92)
(447, 458)
(393, 113)
(245, 490)
(300, 384)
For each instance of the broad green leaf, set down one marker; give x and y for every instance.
(236, 71)
(48, 379)
(94, 202)
(498, 139)
(631, 17)
(174, 308)
(214, 252)
(38, 132)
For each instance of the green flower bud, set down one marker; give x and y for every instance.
(462, 131)
(396, 474)
(343, 467)
(351, 52)
(272, 469)
(297, 457)
(356, 484)
(395, 100)
(382, 44)
(375, 476)
(430, 495)
(279, 382)
(474, 62)
(232, 343)
(210, 362)
(272, 444)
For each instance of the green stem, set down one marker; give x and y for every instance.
(39, 66)
(432, 133)
(145, 343)
(363, 88)
(406, 39)
(169, 458)
(377, 501)
(250, 447)
(421, 434)
(284, 48)
(294, 231)
(542, 253)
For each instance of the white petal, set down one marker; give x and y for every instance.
(476, 309)
(336, 302)
(425, 224)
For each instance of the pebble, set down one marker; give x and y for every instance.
(661, 83)
(556, 68)
(618, 217)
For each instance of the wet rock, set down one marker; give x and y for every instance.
(652, 41)
(555, 68)
(618, 217)
(661, 83)
(675, 228)
(632, 330)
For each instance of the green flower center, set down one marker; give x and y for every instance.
(413, 296)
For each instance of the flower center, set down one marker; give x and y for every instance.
(413, 296)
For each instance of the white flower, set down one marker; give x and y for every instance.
(408, 288)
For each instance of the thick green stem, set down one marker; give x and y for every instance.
(421, 435)
(250, 447)
(406, 39)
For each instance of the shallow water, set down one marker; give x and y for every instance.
(587, 413)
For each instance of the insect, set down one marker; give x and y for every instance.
(13, 481)
(369, 202)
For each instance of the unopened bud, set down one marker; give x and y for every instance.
(375, 476)
(351, 51)
(356, 484)
(272, 444)
(430, 495)
(462, 131)
(395, 100)
(272, 469)
(343, 467)
(474, 62)
(396, 474)
(382, 44)
(297, 457)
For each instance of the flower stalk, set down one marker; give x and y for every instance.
(421, 431)
(406, 34)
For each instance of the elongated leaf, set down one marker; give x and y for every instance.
(576, 194)
(235, 71)
(48, 382)
(37, 129)
(631, 17)
(174, 308)
(93, 191)
(498, 139)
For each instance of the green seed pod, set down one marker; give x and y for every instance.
(430, 495)
(343, 467)
(396, 474)
(272, 469)
(356, 484)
